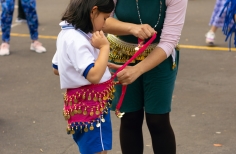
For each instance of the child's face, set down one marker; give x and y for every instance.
(98, 19)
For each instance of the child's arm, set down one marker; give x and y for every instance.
(55, 64)
(55, 71)
(99, 41)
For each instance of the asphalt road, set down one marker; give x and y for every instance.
(204, 105)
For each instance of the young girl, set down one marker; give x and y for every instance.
(81, 61)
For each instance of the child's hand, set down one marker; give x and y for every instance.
(55, 71)
(99, 40)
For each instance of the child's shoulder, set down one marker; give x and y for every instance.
(69, 33)
(72, 36)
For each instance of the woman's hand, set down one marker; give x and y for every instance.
(113, 67)
(99, 40)
(128, 75)
(143, 31)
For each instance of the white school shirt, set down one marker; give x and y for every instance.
(74, 54)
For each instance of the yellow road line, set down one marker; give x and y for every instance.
(27, 35)
(207, 48)
(181, 46)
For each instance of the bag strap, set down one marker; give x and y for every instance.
(141, 50)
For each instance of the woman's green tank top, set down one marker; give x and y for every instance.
(126, 11)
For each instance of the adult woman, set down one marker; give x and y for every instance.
(152, 75)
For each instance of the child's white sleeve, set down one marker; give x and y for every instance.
(55, 61)
(80, 55)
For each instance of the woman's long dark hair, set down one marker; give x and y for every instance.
(78, 12)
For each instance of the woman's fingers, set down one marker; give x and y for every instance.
(124, 77)
(128, 75)
(143, 31)
(113, 66)
(147, 32)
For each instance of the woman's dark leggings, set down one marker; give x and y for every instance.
(131, 136)
(21, 13)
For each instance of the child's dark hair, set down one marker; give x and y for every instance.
(78, 12)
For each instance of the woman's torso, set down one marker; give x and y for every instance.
(150, 10)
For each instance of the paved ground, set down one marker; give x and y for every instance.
(204, 104)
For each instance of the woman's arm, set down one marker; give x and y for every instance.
(175, 15)
(173, 24)
(130, 73)
(116, 27)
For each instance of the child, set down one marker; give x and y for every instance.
(81, 61)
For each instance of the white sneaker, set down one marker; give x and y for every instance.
(37, 47)
(4, 51)
(210, 38)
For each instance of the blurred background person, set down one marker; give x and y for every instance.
(21, 14)
(29, 7)
(216, 22)
(230, 16)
